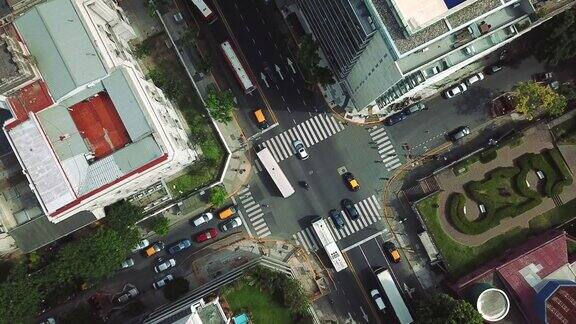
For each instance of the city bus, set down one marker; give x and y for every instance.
(206, 12)
(327, 240)
(274, 171)
(391, 291)
(236, 66)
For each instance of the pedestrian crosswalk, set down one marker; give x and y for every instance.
(310, 132)
(252, 212)
(370, 212)
(385, 147)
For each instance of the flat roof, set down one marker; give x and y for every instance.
(417, 13)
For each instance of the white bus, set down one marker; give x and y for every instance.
(389, 286)
(206, 12)
(327, 240)
(237, 67)
(273, 169)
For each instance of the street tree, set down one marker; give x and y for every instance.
(557, 38)
(176, 288)
(19, 296)
(122, 215)
(308, 59)
(443, 309)
(161, 225)
(532, 98)
(218, 196)
(220, 104)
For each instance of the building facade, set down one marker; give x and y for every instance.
(385, 51)
(88, 128)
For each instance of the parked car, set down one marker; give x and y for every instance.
(162, 282)
(476, 77)
(349, 209)
(202, 219)
(395, 118)
(300, 150)
(414, 108)
(455, 90)
(126, 296)
(227, 212)
(493, 69)
(337, 218)
(378, 300)
(154, 248)
(141, 245)
(231, 224)
(179, 246)
(206, 235)
(127, 263)
(351, 181)
(459, 133)
(543, 77)
(392, 252)
(165, 265)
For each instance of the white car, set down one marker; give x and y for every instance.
(127, 263)
(231, 224)
(141, 245)
(165, 265)
(162, 282)
(128, 295)
(300, 149)
(202, 219)
(474, 78)
(455, 90)
(378, 300)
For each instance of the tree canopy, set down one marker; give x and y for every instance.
(218, 196)
(557, 38)
(309, 60)
(176, 288)
(161, 225)
(19, 296)
(220, 104)
(532, 98)
(443, 309)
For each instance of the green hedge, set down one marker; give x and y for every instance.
(488, 155)
(564, 176)
(456, 203)
(537, 162)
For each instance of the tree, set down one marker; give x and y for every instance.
(441, 308)
(161, 225)
(81, 314)
(19, 296)
(176, 288)
(218, 196)
(533, 98)
(220, 105)
(557, 38)
(323, 75)
(122, 215)
(309, 60)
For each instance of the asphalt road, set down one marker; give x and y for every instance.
(427, 129)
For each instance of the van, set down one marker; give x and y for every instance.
(227, 212)
(261, 119)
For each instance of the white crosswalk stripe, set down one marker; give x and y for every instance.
(310, 132)
(254, 215)
(369, 210)
(386, 149)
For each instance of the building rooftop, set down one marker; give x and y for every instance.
(428, 25)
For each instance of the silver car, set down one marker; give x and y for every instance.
(300, 149)
(141, 245)
(378, 300)
(231, 224)
(165, 265)
(162, 282)
(455, 90)
(127, 263)
(202, 219)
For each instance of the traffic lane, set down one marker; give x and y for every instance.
(270, 60)
(364, 268)
(348, 298)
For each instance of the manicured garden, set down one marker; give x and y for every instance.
(460, 259)
(565, 133)
(505, 191)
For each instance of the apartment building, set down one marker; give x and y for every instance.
(385, 51)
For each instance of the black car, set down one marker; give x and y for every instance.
(493, 69)
(337, 218)
(349, 208)
(395, 118)
(179, 246)
(459, 133)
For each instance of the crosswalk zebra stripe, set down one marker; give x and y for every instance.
(263, 230)
(337, 124)
(330, 125)
(251, 208)
(264, 234)
(259, 226)
(386, 150)
(257, 221)
(391, 162)
(328, 131)
(243, 191)
(375, 200)
(375, 138)
(307, 132)
(286, 141)
(310, 130)
(257, 211)
(318, 128)
(310, 237)
(384, 144)
(388, 158)
(365, 213)
(394, 166)
(292, 133)
(375, 132)
(349, 226)
(245, 201)
(302, 136)
(272, 147)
